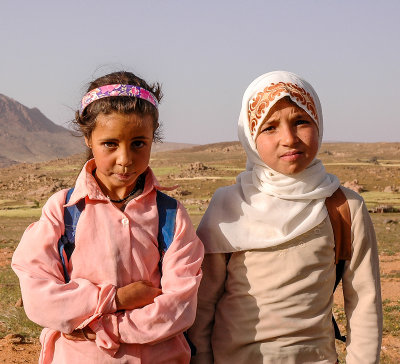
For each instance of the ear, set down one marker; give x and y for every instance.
(87, 142)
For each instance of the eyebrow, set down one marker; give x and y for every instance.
(295, 113)
(111, 139)
(269, 121)
(300, 112)
(140, 137)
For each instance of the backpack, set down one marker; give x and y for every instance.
(339, 214)
(166, 207)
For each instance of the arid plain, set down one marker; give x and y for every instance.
(371, 168)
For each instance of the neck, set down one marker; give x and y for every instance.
(124, 193)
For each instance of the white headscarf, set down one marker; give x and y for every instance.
(266, 208)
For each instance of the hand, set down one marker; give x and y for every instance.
(135, 295)
(81, 334)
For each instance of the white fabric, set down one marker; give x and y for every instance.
(266, 208)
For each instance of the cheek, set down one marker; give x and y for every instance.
(264, 147)
(102, 158)
(259, 144)
(313, 142)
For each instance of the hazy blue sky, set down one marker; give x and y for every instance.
(205, 53)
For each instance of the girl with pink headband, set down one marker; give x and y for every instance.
(114, 300)
(269, 270)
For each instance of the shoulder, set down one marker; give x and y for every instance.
(183, 219)
(351, 195)
(57, 199)
(168, 207)
(225, 204)
(223, 195)
(360, 217)
(356, 202)
(184, 234)
(53, 209)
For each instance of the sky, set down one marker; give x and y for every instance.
(205, 54)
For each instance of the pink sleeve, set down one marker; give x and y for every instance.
(174, 310)
(48, 301)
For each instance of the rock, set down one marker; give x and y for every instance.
(388, 189)
(19, 303)
(198, 166)
(354, 185)
(373, 160)
(383, 208)
(14, 338)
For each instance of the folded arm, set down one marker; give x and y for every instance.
(174, 310)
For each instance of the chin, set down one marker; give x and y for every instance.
(291, 171)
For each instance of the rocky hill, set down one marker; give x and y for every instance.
(168, 146)
(26, 135)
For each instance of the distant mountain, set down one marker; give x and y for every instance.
(26, 135)
(167, 146)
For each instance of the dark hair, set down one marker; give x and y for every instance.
(86, 122)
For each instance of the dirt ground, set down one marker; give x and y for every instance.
(12, 350)
(15, 349)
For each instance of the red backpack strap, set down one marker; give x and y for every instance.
(339, 214)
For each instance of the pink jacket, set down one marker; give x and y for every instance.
(113, 248)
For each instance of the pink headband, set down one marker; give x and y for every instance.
(117, 90)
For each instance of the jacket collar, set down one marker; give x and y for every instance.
(86, 185)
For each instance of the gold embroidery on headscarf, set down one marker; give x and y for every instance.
(262, 100)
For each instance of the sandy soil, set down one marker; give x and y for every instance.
(5, 257)
(15, 351)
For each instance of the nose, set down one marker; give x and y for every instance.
(124, 158)
(289, 135)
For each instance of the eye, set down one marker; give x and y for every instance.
(268, 129)
(110, 145)
(303, 122)
(138, 144)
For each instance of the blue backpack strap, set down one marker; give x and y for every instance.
(66, 244)
(166, 207)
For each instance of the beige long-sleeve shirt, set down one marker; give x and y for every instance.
(274, 305)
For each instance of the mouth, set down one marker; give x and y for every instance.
(123, 176)
(291, 155)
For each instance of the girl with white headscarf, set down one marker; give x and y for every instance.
(269, 272)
